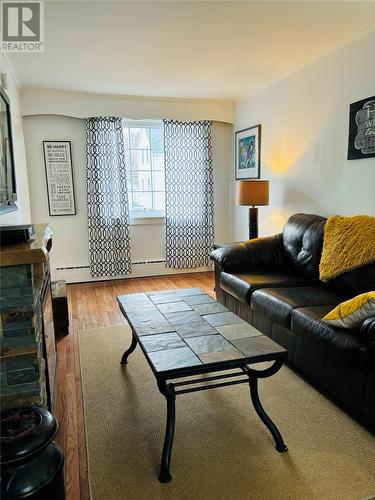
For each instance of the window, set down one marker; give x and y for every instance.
(144, 153)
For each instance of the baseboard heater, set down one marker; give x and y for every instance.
(140, 269)
(134, 263)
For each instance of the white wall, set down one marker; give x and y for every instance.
(70, 241)
(22, 215)
(304, 121)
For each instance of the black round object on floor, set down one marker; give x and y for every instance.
(25, 431)
(31, 464)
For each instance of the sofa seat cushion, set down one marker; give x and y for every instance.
(279, 303)
(341, 344)
(242, 285)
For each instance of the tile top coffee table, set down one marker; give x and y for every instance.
(185, 332)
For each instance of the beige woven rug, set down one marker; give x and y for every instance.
(221, 449)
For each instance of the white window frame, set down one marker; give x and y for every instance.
(144, 216)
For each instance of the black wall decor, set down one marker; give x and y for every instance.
(361, 142)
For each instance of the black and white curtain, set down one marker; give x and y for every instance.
(107, 198)
(189, 193)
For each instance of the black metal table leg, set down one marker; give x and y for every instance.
(280, 445)
(127, 353)
(169, 393)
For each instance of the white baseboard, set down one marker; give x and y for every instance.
(80, 274)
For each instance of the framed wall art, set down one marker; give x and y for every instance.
(59, 177)
(361, 143)
(247, 153)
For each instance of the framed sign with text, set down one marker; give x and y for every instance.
(59, 177)
(361, 143)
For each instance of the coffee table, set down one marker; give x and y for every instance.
(184, 333)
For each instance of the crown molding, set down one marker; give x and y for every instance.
(310, 62)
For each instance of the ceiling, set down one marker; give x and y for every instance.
(213, 49)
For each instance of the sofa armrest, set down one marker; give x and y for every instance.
(367, 330)
(259, 252)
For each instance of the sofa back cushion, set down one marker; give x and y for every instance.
(303, 242)
(355, 282)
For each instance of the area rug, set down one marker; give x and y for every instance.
(221, 449)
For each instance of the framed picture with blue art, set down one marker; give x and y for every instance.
(247, 153)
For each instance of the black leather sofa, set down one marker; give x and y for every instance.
(273, 283)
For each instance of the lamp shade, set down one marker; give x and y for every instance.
(253, 193)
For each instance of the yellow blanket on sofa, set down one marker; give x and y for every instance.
(349, 242)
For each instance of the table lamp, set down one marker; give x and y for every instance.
(251, 193)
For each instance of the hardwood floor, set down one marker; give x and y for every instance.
(93, 305)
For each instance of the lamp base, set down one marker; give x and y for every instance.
(253, 222)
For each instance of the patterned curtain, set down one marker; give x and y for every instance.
(107, 198)
(189, 194)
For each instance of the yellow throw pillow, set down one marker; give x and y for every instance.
(349, 243)
(353, 312)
